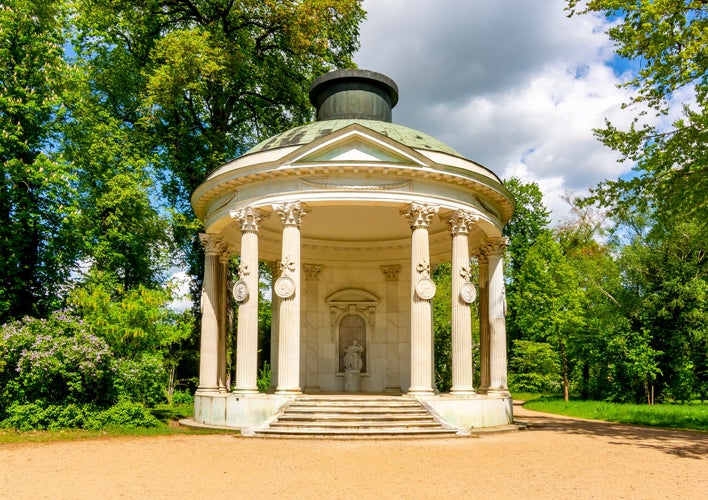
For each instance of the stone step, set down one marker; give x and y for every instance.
(385, 417)
(348, 416)
(354, 425)
(353, 433)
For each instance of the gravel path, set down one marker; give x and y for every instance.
(557, 457)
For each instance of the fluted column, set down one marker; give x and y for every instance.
(460, 223)
(422, 292)
(393, 370)
(274, 267)
(246, 294)
(209, 339)
(288, 289)
(483, 264)
(312, 340)
(497, 318)
(222, 286)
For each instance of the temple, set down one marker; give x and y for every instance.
(353, 212)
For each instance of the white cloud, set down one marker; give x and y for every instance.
(512, 84)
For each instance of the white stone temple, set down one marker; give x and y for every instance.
(353, 212)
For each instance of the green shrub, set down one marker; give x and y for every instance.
(124, 414)
(264, 374)
(53, 360)
(143, 379)
(183, 397)
(534, 367)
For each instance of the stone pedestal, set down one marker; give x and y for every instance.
(352, 380)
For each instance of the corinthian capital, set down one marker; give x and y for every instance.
(495, 246)
(460, 221)
(290, 212)
(213, 243)
(249, 218)
(419, 215)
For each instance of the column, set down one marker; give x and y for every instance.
(483, 263)
(287, 287)
(497, 318)
(422, 292)
(393, 375)
(274, 319)
(223, 278)
(246, 294)
(460, 223)
(312, 331)
(209, 339)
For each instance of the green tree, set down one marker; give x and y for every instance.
(205, 79)
(668, 39)
(550, 303)
(36, 189)
(530, 220)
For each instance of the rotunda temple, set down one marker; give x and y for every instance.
(353, 212)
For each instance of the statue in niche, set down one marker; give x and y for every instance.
(352, 358)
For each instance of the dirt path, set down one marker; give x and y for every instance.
(556, 458)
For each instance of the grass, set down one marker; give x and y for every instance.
(672, 416)
(167, 414)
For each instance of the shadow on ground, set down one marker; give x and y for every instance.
(684, 444)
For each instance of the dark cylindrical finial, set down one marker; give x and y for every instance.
(353, 93)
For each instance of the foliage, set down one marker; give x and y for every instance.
(534, 367)
(55, 360)
(683, 416)
(40, 416)
(668, 39)
(264, 377)
(36, 194)
(550, 305)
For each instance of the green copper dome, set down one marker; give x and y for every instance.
(305, 134)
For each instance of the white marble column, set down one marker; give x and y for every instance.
(483, 264)
(209, 339)
(422, 292)
(497, 318)
(460, 223)
(291, 214)
(312, 340)
(274, 324)
(247, 330)
(223, 280)
(393, 375)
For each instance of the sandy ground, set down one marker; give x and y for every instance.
(557, 457)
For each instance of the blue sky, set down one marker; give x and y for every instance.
(515, 85)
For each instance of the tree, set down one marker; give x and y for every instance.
(530, 220)
(205, 79)
(669, 39)
(36, 207)
(550, 303)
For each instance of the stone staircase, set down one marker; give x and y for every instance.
(356, 416)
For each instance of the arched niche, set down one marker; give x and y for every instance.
(352, 315)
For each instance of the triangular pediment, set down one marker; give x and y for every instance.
(355, 144)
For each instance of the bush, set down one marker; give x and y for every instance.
(53, 360)
(534, 367)
(39, 416)
(143, 379)
(184, 397)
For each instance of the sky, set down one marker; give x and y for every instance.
(514, 85)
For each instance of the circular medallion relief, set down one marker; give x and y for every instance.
(240, 291)
(425, 288)
(284, 287)
(468, 293)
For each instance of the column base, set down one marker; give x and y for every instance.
(499, 392)
(202, 389)
(245, 392)
(421, 391)
(288, 392)
(462, 392)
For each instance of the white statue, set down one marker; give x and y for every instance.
(352, 358)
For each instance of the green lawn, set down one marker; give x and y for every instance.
(674, 416)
